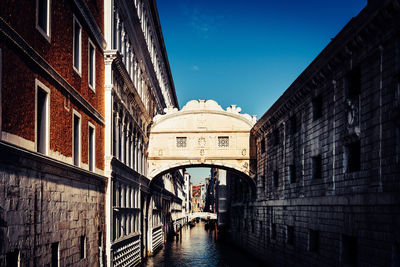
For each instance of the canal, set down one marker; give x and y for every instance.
(197, 246)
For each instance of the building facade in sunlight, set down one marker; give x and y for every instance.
(52, 133)
(138, 85)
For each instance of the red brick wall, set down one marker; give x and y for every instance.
(18, 83)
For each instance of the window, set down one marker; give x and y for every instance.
(262, 145)
(91, 152)
(43, 17)
(276, 136)
(76, 139)
(290, 235)
(77, 46)
(55, 256)
(353, 154)
(181, 142)
(354, 83)
(273, 231)
(83, 247)
(317, 107)
(275, 177)
(292, 173)
(293, 124)
(313, 240)
(223, 141)
(13, 259)
(317, 167)
(42, 118)
(252, 226)
(349, 250)
(92, 65)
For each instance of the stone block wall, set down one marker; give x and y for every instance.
(44, 202)
(328, 156)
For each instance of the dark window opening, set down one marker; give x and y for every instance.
(292, 173)
(275, 178)
(353, 157)
(41, 127)
(77, 135)
(43, 15)
(317, 167)
(349, 250)
(13, 258)
(276, 136)
(290, 235)
(91, 148)
(293, 124)
(313, 240)
(354, 83)
(83, 247)
(273, 231)
(91, 65)
(262, 145)
(252, 226)
(54, 254)
(317, 107)
(77, 46)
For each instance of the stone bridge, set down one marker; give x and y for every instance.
(200, 134)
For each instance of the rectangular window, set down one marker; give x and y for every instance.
(317, 167)
(55, 255)
(317, 107)
(349, 250)
(223, 141)
(43, 17)
(293, 124)
(276, 137)
(91, 153)
(275, 178)
(262, 145)
(292, 173)
(42, 118)
(76, 139)
(273, 231)
(77, 46)
(13, 258)
(92, 66)
(354, 83)
(313, 240)
(252, 226)
(181, 142)
(83, 247)
(290, 235)
(353, 155)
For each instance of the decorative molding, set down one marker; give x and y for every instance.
(31, 55)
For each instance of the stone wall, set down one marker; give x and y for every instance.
(43, 202)
(328, 156)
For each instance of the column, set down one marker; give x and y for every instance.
(122, 146)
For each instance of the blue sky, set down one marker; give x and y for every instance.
(246, 52)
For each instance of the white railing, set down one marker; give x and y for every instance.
(127, 251)
(157, 237)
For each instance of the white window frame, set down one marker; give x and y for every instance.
(46, 35)
(93, 86)
(79, 70)
(91, 125)
(47, 137)
(76, 113)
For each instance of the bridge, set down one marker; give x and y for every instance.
(203, 215)
(200, 134)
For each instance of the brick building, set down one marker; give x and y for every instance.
(328, 151)
(52, 188)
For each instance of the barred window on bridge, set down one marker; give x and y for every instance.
(181, 142)
(223, 141)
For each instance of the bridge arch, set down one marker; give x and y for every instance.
(201, 134)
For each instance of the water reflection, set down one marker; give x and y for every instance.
(199, 247)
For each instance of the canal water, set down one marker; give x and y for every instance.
(197, 246)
